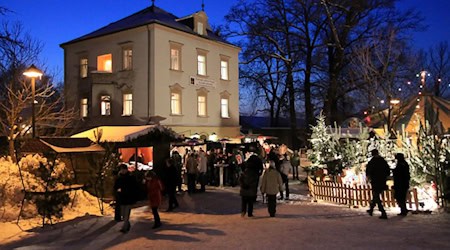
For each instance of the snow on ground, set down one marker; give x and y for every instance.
(212, 220)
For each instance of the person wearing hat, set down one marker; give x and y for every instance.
(377, 172)
(127, 189)
(401, 182)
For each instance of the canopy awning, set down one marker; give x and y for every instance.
(60, 145)
(114, 133)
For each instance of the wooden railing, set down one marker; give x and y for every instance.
(356, 196)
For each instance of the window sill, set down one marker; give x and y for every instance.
(127, 115)
(176, 70)
(176, 114)
(203, 116)
(204, 76)
(225, 80)
(126, 70)
(228, 117)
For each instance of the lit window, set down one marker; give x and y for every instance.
(175, 55)
(201, 65)
(224, 108)
(105, 105)
(83, 67)
(175, 59)
(127, 104)
(200, 28)
(175, 103)
(127, 59)
(84, 107)
(201, 100)
(223, 70)
(104, 63)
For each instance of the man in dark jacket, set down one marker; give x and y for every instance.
(401, 182)
(377, 172)
(127, 190)
(170, 183)
(177, 160)
(248, 182)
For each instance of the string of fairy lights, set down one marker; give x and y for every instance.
(394, 101)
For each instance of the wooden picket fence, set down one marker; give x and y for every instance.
(356, 196)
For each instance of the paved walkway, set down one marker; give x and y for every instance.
(212, 220)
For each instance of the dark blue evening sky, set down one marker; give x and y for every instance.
(57, 21)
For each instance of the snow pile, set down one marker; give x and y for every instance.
(11, 190)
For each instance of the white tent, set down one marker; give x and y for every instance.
(114, 133)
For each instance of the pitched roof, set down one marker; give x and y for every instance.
(415, 111)
(146, 16)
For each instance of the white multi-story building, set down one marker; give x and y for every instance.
(152, 64)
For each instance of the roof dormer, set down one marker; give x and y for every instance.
(198, 22)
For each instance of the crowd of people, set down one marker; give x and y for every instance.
(193, 170)
(251, 169)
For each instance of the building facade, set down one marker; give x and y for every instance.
(153, 64)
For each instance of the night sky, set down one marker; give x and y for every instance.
(57, 21)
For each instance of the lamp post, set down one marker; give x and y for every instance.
(33, 72)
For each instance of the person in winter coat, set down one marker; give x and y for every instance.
(202, 168)
(117, 212)
(171, 183)
(127, 190)
(176, 157)
(248, 181)
(295, 162)
(284, 171)
(255, 164)
(377, 172)
(271, 184)
(154, 192)
(401, 182)
(192, 171)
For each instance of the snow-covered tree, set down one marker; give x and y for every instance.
(325, 145)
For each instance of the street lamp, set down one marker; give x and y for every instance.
(33, 72)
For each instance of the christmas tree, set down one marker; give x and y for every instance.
(325, 145)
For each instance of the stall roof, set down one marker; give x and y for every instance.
(60, 145)
(114, 133)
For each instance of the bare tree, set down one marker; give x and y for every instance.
(439, 66)
(265, 78)
(352, 23)
(270, 23)
(19, 51)
(384, 66)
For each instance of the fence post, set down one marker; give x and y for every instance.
(416, 199)
(312, 187)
